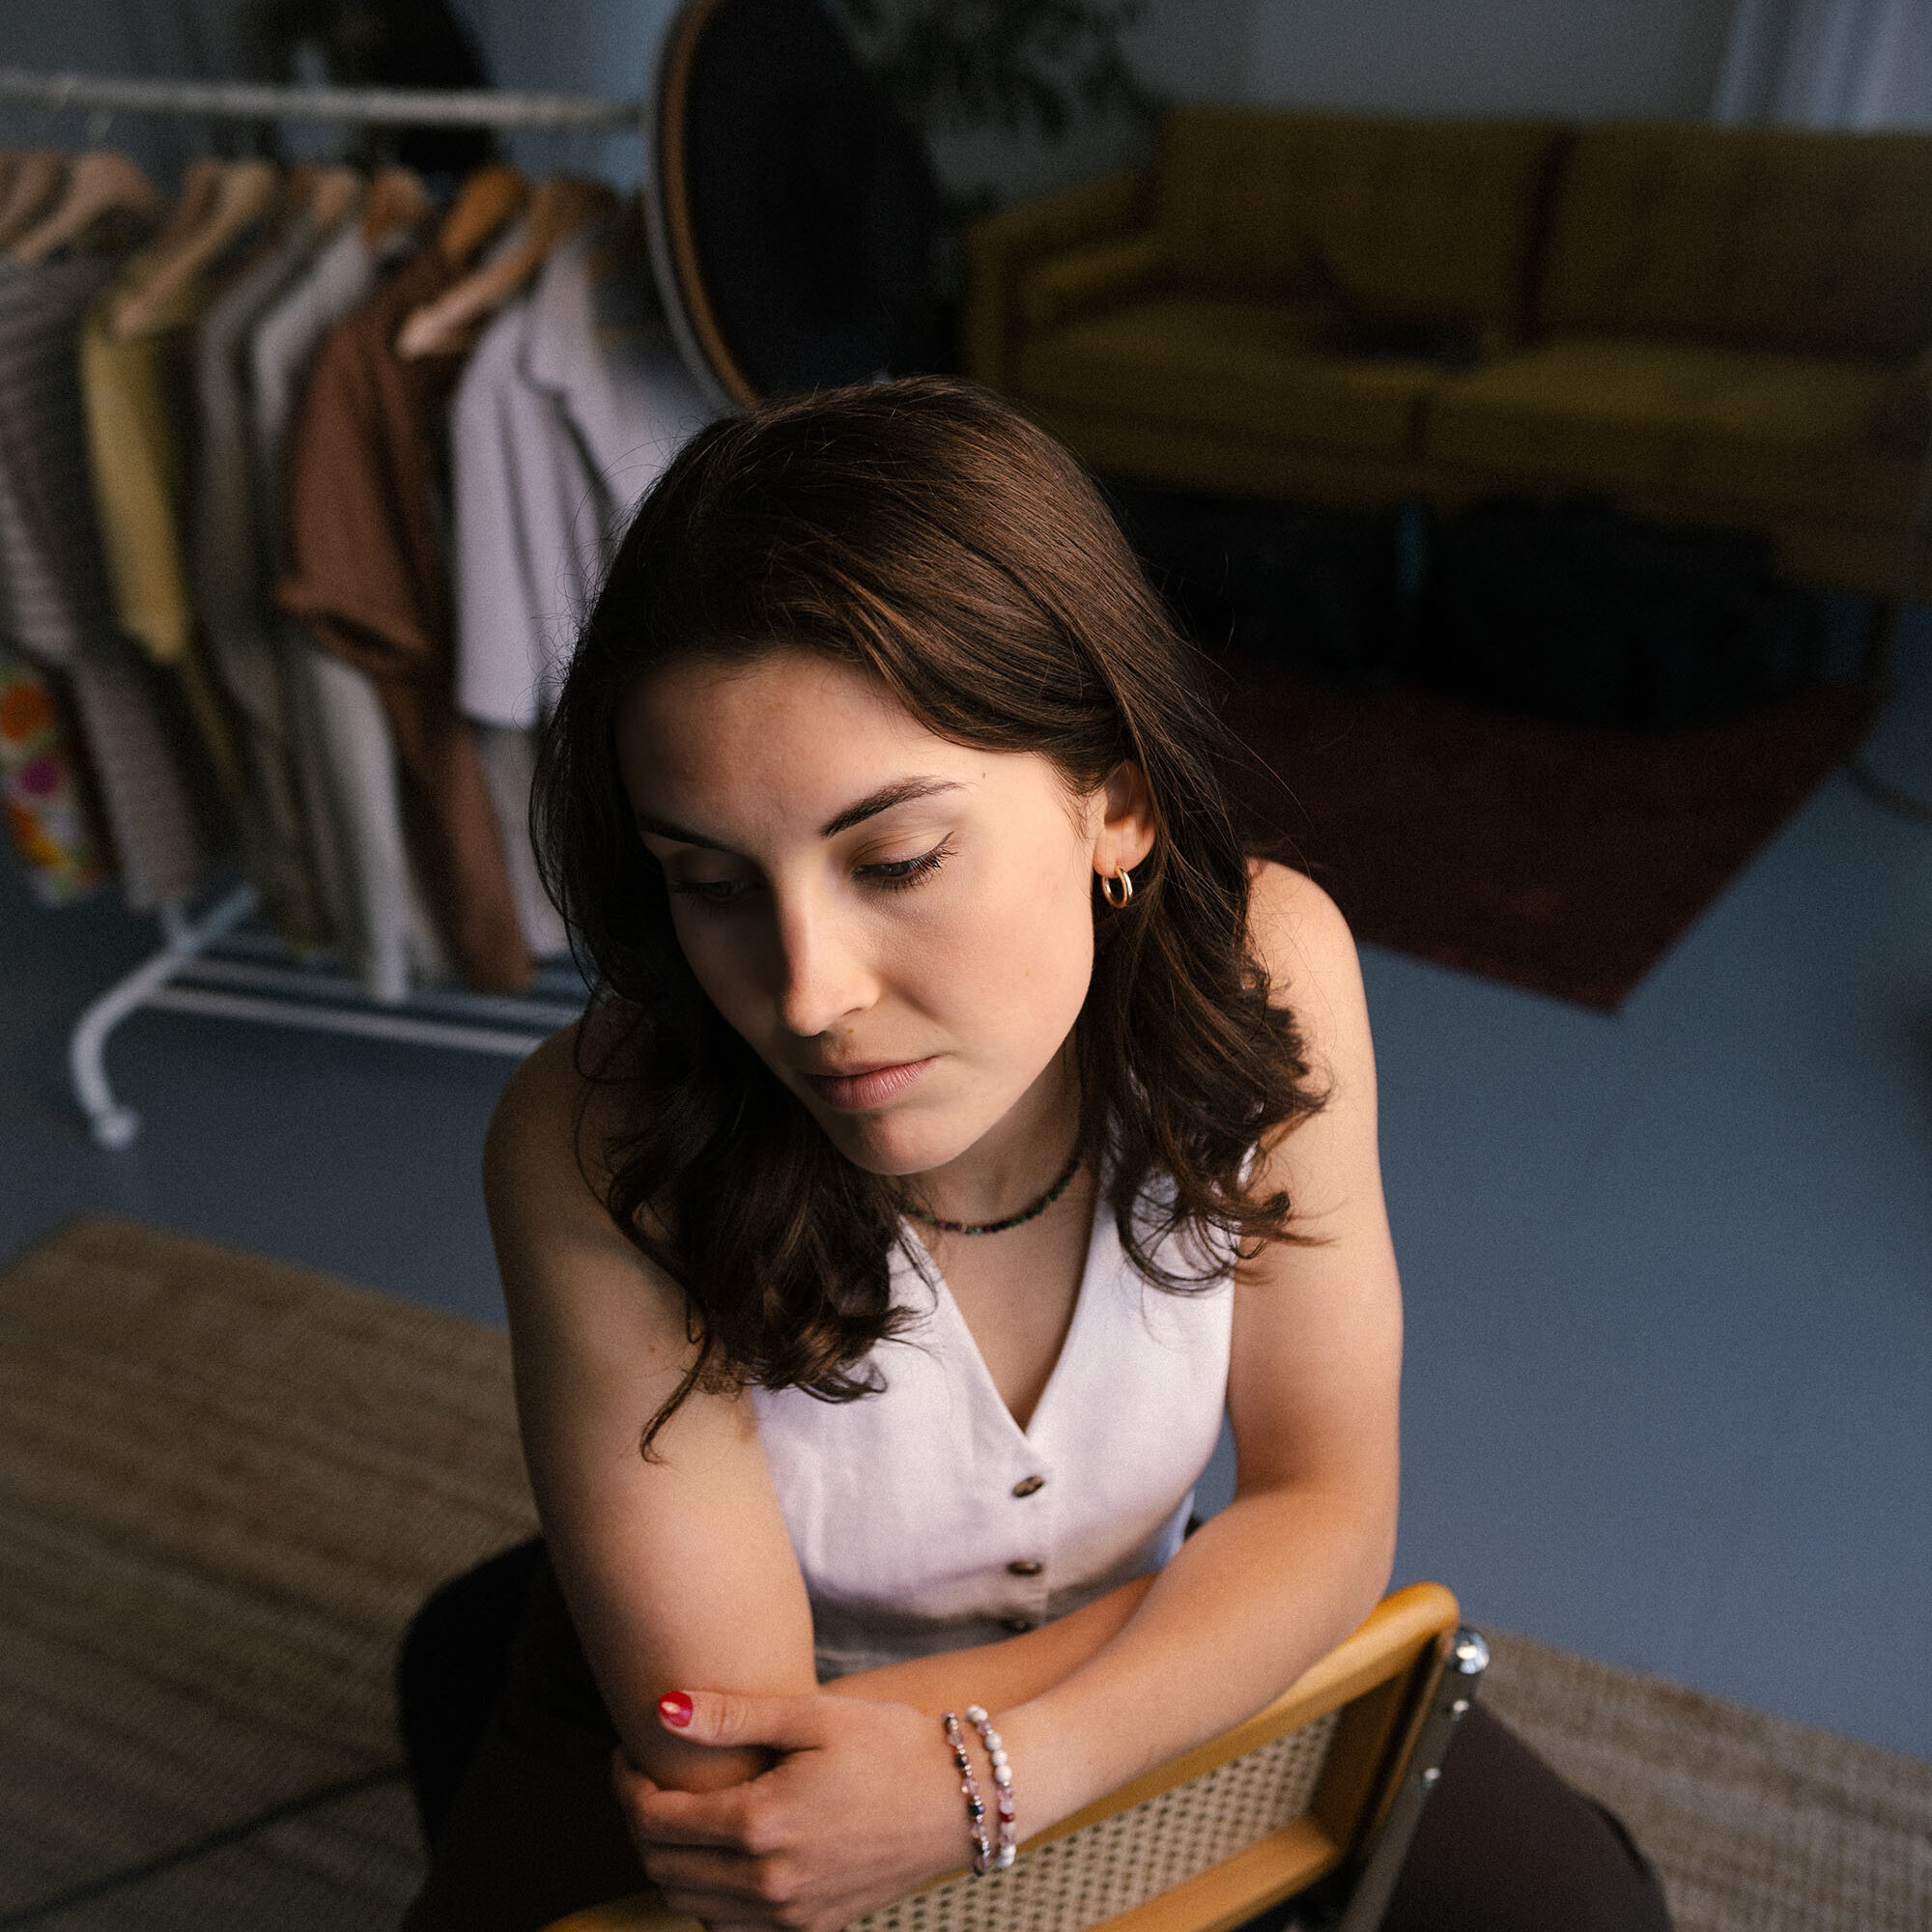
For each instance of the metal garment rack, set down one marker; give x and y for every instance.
(218, 962)
(250, 100)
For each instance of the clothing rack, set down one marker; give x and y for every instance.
(222, 966)
(218, 963)
(250, 100)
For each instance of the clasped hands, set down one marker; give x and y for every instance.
(862, 1806)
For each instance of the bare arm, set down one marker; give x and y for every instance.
(1004, 1673)
(1302, 1554)
(677, 1571)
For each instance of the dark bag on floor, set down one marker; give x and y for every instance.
(1318, 591)
(1578, 612)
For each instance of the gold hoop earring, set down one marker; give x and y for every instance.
(1124, 879)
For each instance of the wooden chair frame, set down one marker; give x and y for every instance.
(1400, 1684)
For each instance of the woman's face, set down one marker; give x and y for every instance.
(901, 928)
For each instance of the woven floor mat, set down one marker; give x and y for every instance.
(353, 1862)
(1757, 1824)
(227, 1483)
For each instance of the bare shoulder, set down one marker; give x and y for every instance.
(551, 1111)
(1303, 943)
(1314, 1383)
(600, 1341)
(540, 1095)
(544, 1188)
(554, 1120)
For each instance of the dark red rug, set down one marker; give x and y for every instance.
(1563, 858)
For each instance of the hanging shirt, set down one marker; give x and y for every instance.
(54, 602)
(512, 465)
(569, 409)
(598, 343)
(231, 589)
(509, 770)
(351, 785)
(924, 1518)
(138, 394)
(366, 574)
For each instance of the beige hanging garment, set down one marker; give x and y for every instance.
(227, 570)
(136, 354)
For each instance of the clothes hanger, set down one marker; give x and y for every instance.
(245, 196)
(293, 191)
(324, 196)
(561, 206)
(307, 191)
(332, 195)
(201, 180)
(621, 238)
(203, 185)
(36, 177)
(297, 189)
(486, 203)
(398, 205)
(95, 184)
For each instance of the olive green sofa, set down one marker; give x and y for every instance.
(1714, 325)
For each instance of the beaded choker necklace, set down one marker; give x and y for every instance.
(1020, 1219)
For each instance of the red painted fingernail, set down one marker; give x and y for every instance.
(674, 1708)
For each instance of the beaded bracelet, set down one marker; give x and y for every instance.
(1007, 1850)
(969, 1787)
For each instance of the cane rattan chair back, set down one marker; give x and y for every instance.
(1325, 1784)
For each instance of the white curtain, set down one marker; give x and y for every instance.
(1829, 64)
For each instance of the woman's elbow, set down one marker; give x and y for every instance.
(1361, 1559)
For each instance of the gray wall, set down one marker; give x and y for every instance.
(1188, 49)
(1196, 49)
(139, 37)
(590, 47)
(1572, 59)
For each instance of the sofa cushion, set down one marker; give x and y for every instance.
(1769, 433)
(1903, 418)
(1256, 368)
(1775, 238)
(1097, 276)
(1416, 220)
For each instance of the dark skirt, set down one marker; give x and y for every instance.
(509, 1750)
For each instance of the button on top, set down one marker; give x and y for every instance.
(1025, 1567)
(1019, 1625)
(1027, 1485)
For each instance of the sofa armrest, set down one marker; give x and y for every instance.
(1087, 278)
(1003, 249)
(1902, 422)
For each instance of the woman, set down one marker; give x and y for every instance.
(965, 1120)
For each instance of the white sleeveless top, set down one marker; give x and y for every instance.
(924, 1518)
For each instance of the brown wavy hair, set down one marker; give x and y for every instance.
(926, 534)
